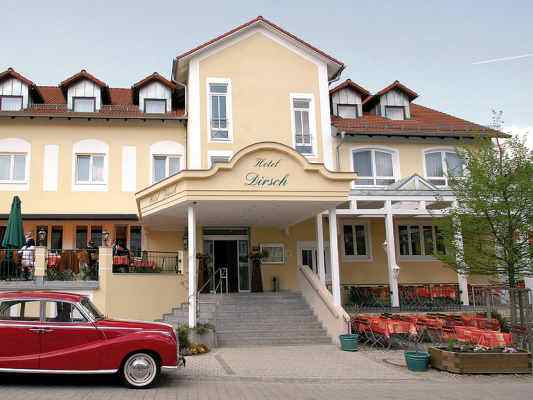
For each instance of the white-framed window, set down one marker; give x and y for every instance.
(396, 113)
(356, 240)
(164, 166)
(303, 123)
(84, 104)
(219, 109)
(347, 110)
(275, 253)
(155, 106)
(440, 165)
(420, 240)
(90, 169)
(12, 168)
(374, 167)
(11, 103)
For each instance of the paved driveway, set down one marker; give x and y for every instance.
(311, 372)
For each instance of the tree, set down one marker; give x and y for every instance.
(493, 212)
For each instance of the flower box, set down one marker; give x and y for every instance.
(489, 362)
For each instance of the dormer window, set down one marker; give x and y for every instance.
(396, 113)
(11, 103)
(155, 106)
(84, 104)
(347, 110)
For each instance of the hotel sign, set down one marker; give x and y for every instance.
(266, 173)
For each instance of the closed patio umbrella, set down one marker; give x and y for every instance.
(14, 236)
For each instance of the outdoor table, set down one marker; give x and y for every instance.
(53, 260)
(143, 264)
(483, 337)
(120, 260)
(388, 327)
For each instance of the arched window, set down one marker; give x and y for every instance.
(440, 165)
(167, 158)
(374, 167)
(14, 164)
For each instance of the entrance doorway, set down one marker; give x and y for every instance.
(229, 252)
(226, 256)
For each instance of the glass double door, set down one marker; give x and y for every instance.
(230, 253)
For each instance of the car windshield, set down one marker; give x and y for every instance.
(91, 309)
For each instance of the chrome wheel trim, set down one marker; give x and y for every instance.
(140, 369)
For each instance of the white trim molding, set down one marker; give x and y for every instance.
(17, 146)
(50, 168)
(194, 138)
(229, 109)
(129, 168)
(90, 147)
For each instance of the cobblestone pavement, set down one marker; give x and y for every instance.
(306, 372)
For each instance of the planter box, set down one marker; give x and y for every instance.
(209, 338)
(480, 363)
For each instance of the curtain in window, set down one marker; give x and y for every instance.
(5, 167)
(11, 103)
(155, 106)
(19, 172)
(434, 164)
(82, 168)
(84, 105)
(159, 168)
(360, 240)
(383, 163)
(173, 165)
(98, 168)
(454, 164)
(348, 240)
(362, 163)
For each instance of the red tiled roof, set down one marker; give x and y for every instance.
(120, 96)
(394, 85)
(348, 83)
(154, 77)
(11, 73)
(424, 121)
(260, 19)
(51, 94)
(83, 74)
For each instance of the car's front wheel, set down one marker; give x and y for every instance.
(140, 371)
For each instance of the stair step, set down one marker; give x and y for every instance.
(273, 341)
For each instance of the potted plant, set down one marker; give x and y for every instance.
(255, 257)
(417, 361)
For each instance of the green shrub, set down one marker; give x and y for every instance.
(183, 336)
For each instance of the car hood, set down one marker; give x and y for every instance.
(127, 326)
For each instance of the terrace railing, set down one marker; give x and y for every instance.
(415, 297)
(148, 262)
(72, 265)
(17, 265)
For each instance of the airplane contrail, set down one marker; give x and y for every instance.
(502, 59)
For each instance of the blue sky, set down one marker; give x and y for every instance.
(431, 46)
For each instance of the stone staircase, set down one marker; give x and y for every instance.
(255, 319)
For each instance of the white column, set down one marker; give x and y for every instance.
(191, 233)
(334, 257)
(460, 259)
(320, 249)
(393, 267)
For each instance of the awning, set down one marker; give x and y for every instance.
(265, 184)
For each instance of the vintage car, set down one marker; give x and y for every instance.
(51, 332)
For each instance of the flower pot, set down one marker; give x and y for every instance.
(349, 342)
(417, 361)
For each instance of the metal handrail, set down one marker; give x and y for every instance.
(211, 279)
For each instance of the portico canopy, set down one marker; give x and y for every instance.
(264, 184)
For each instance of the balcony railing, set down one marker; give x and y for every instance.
(17, 265)
(147, 262)
(72, 265)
